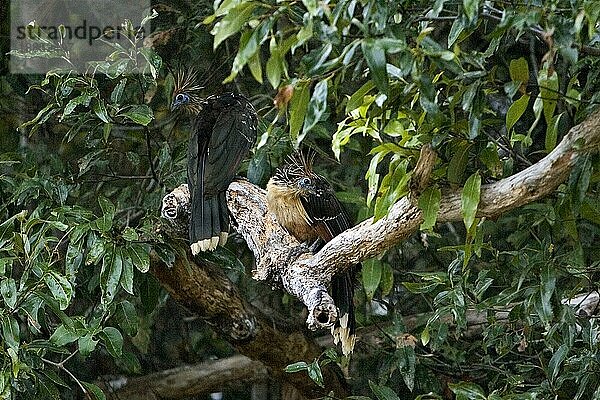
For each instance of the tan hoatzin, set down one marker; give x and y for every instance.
(305, 204)
(223, 132)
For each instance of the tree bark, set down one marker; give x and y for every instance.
(189, 380)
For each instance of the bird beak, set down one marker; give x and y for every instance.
(175, 105)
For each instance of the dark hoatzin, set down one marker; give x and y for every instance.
(305, 205)
(223, 132)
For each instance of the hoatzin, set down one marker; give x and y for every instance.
(304, 203)
(223, 132)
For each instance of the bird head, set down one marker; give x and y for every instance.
(297, 175)
(186, 95)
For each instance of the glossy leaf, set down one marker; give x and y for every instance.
(516, 110)
(371, 276)
(469, 199)
(375, 57)
(60, 287)
(296, 367)
(113, 340)
(297, 108)
(8, 288)
(429, 203)
(140, 114)
(383, 392)
(232, 22)
(317, 106)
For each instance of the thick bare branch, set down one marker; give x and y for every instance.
(189, 380)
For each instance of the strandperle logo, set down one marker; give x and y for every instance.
(73, 34)
(81, 32)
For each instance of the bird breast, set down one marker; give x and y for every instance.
(290, 213)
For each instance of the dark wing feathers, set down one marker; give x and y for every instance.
(328, 215)
(233, 134)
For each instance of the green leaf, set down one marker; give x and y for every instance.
(86, 344)
(548, 83)
(552, 133)
(140, 114)
(316, 108)
(516, 110)
(140, 255)
(455, 30)
(250, 42)
(110, 274)
(115, 96)
(547, 286)
(458, 162)
(387, 280)
(429, 203)
(105, 223)
(232, 22)
(467, 391)
(519, 70)
(371, 276)
(83, 99)
(375, 56)
(11, 332)
(274, 68)
(358, 97)
(226, 6)
(255, 65)
(383, 392)
(557, 359)
(130, 234)
(471, 8)
(8, 288)
(93, 391)
(60, 287)
(127, 276)
(100, 111)
(127, 318)
(314, 373)
(113, 340)
(73, 260)
(63, 335)
(469, 199)
(297, 108)
(406, 361)
(296, 367)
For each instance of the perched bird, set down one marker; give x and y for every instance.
(223, 132)
(305, 204)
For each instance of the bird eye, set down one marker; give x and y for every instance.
(181, 98)
(304, 182)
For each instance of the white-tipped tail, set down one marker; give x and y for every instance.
(341, 334)
(205, 245)
(223, 238)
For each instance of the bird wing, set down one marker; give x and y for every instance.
(328, 216)
(226, 128)
(233, 135)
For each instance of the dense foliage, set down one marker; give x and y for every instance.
(493, 86)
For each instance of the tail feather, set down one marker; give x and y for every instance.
(208, 225)
(342, 291)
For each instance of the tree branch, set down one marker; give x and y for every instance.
(189, 380)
